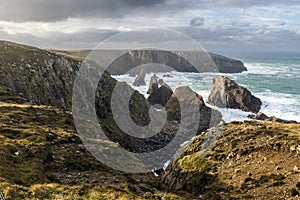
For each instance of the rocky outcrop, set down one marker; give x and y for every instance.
(185, 103)
(264, 117)
(140, 79)
(160, 95)
(167, 76)
(153, 85)
(226, 93)
(238, 160)
(177, 61)
(159, 91)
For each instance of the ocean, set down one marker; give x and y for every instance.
(272, 77)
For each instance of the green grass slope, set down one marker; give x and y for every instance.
(42, 157)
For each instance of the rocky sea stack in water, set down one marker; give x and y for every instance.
(226, 93)
(140, 79)
(184, 98)
(159, 91)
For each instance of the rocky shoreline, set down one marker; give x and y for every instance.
(45, 158)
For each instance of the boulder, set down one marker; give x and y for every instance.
(226, 93)
(258, 116)
(140, 79)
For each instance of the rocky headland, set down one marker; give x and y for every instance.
(181, 61)
(42, 156)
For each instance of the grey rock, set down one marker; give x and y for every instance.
(160, 95)
(226, 93)
(208, 116)
(140, 79)
(153, 85)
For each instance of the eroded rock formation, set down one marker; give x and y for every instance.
(226, 93)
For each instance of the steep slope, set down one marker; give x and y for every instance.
(42, 157)
(37, 75)
(41, 77)
(248, 160)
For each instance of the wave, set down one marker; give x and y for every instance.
(280, 104)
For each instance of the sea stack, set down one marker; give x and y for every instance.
(159, 91)
(185, 98)
(140, 79)
(226, 93)
(153, 84)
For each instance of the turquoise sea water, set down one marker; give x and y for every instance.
(273, 77)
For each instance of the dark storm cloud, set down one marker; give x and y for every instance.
(55, 10)
(197, 21)
(226, 3)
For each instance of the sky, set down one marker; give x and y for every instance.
(219, 25)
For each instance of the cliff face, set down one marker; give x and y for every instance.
(197, 62)
(45, 78)
(228, 65)
(37, 75)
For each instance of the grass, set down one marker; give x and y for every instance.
(42, 157)
(249, 159)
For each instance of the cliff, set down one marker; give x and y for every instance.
(239, 160)
(42, 157)
(198, 61)
(37, 75)
(181, 61)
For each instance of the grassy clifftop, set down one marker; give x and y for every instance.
(249, 160)
(42, 157)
